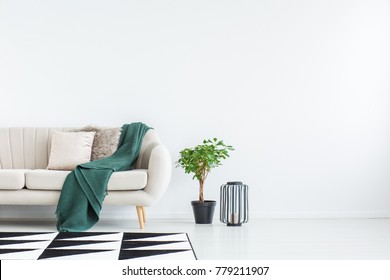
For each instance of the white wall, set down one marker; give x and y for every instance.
(300, 88)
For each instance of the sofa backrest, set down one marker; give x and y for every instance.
(29, 148)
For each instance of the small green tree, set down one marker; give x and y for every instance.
(202, 158)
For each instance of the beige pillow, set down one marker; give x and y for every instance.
(105, 142)
(69, 149)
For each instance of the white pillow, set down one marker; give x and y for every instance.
(69, 149)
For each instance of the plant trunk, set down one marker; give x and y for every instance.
(201, 197)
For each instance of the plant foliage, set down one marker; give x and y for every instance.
(201, 159)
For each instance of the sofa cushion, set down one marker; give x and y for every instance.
(128, 180)
(12, 179)
(105, 142)
(41, 179)
(69, 149)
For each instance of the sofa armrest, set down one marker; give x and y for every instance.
(159, 173)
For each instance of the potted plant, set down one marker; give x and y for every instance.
(200, 160)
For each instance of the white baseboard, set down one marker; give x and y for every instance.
(322, 215)
(48, 212)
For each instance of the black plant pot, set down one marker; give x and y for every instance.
(203, 212)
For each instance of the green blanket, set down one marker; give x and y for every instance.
(84, 189)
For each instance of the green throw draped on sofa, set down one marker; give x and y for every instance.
(84, 189)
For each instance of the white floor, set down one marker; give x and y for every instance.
(323, 239)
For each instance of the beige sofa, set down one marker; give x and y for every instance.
(24, 179)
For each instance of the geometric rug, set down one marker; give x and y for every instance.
(95, 246)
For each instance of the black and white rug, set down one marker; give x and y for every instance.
(95, 246)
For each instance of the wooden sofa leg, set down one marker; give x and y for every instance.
(141, 216)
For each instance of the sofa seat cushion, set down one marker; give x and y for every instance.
(12, 179)
(42, 179)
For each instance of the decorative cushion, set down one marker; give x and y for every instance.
(41, 179)
(105, 142)
(12, 179)
(69, 149)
